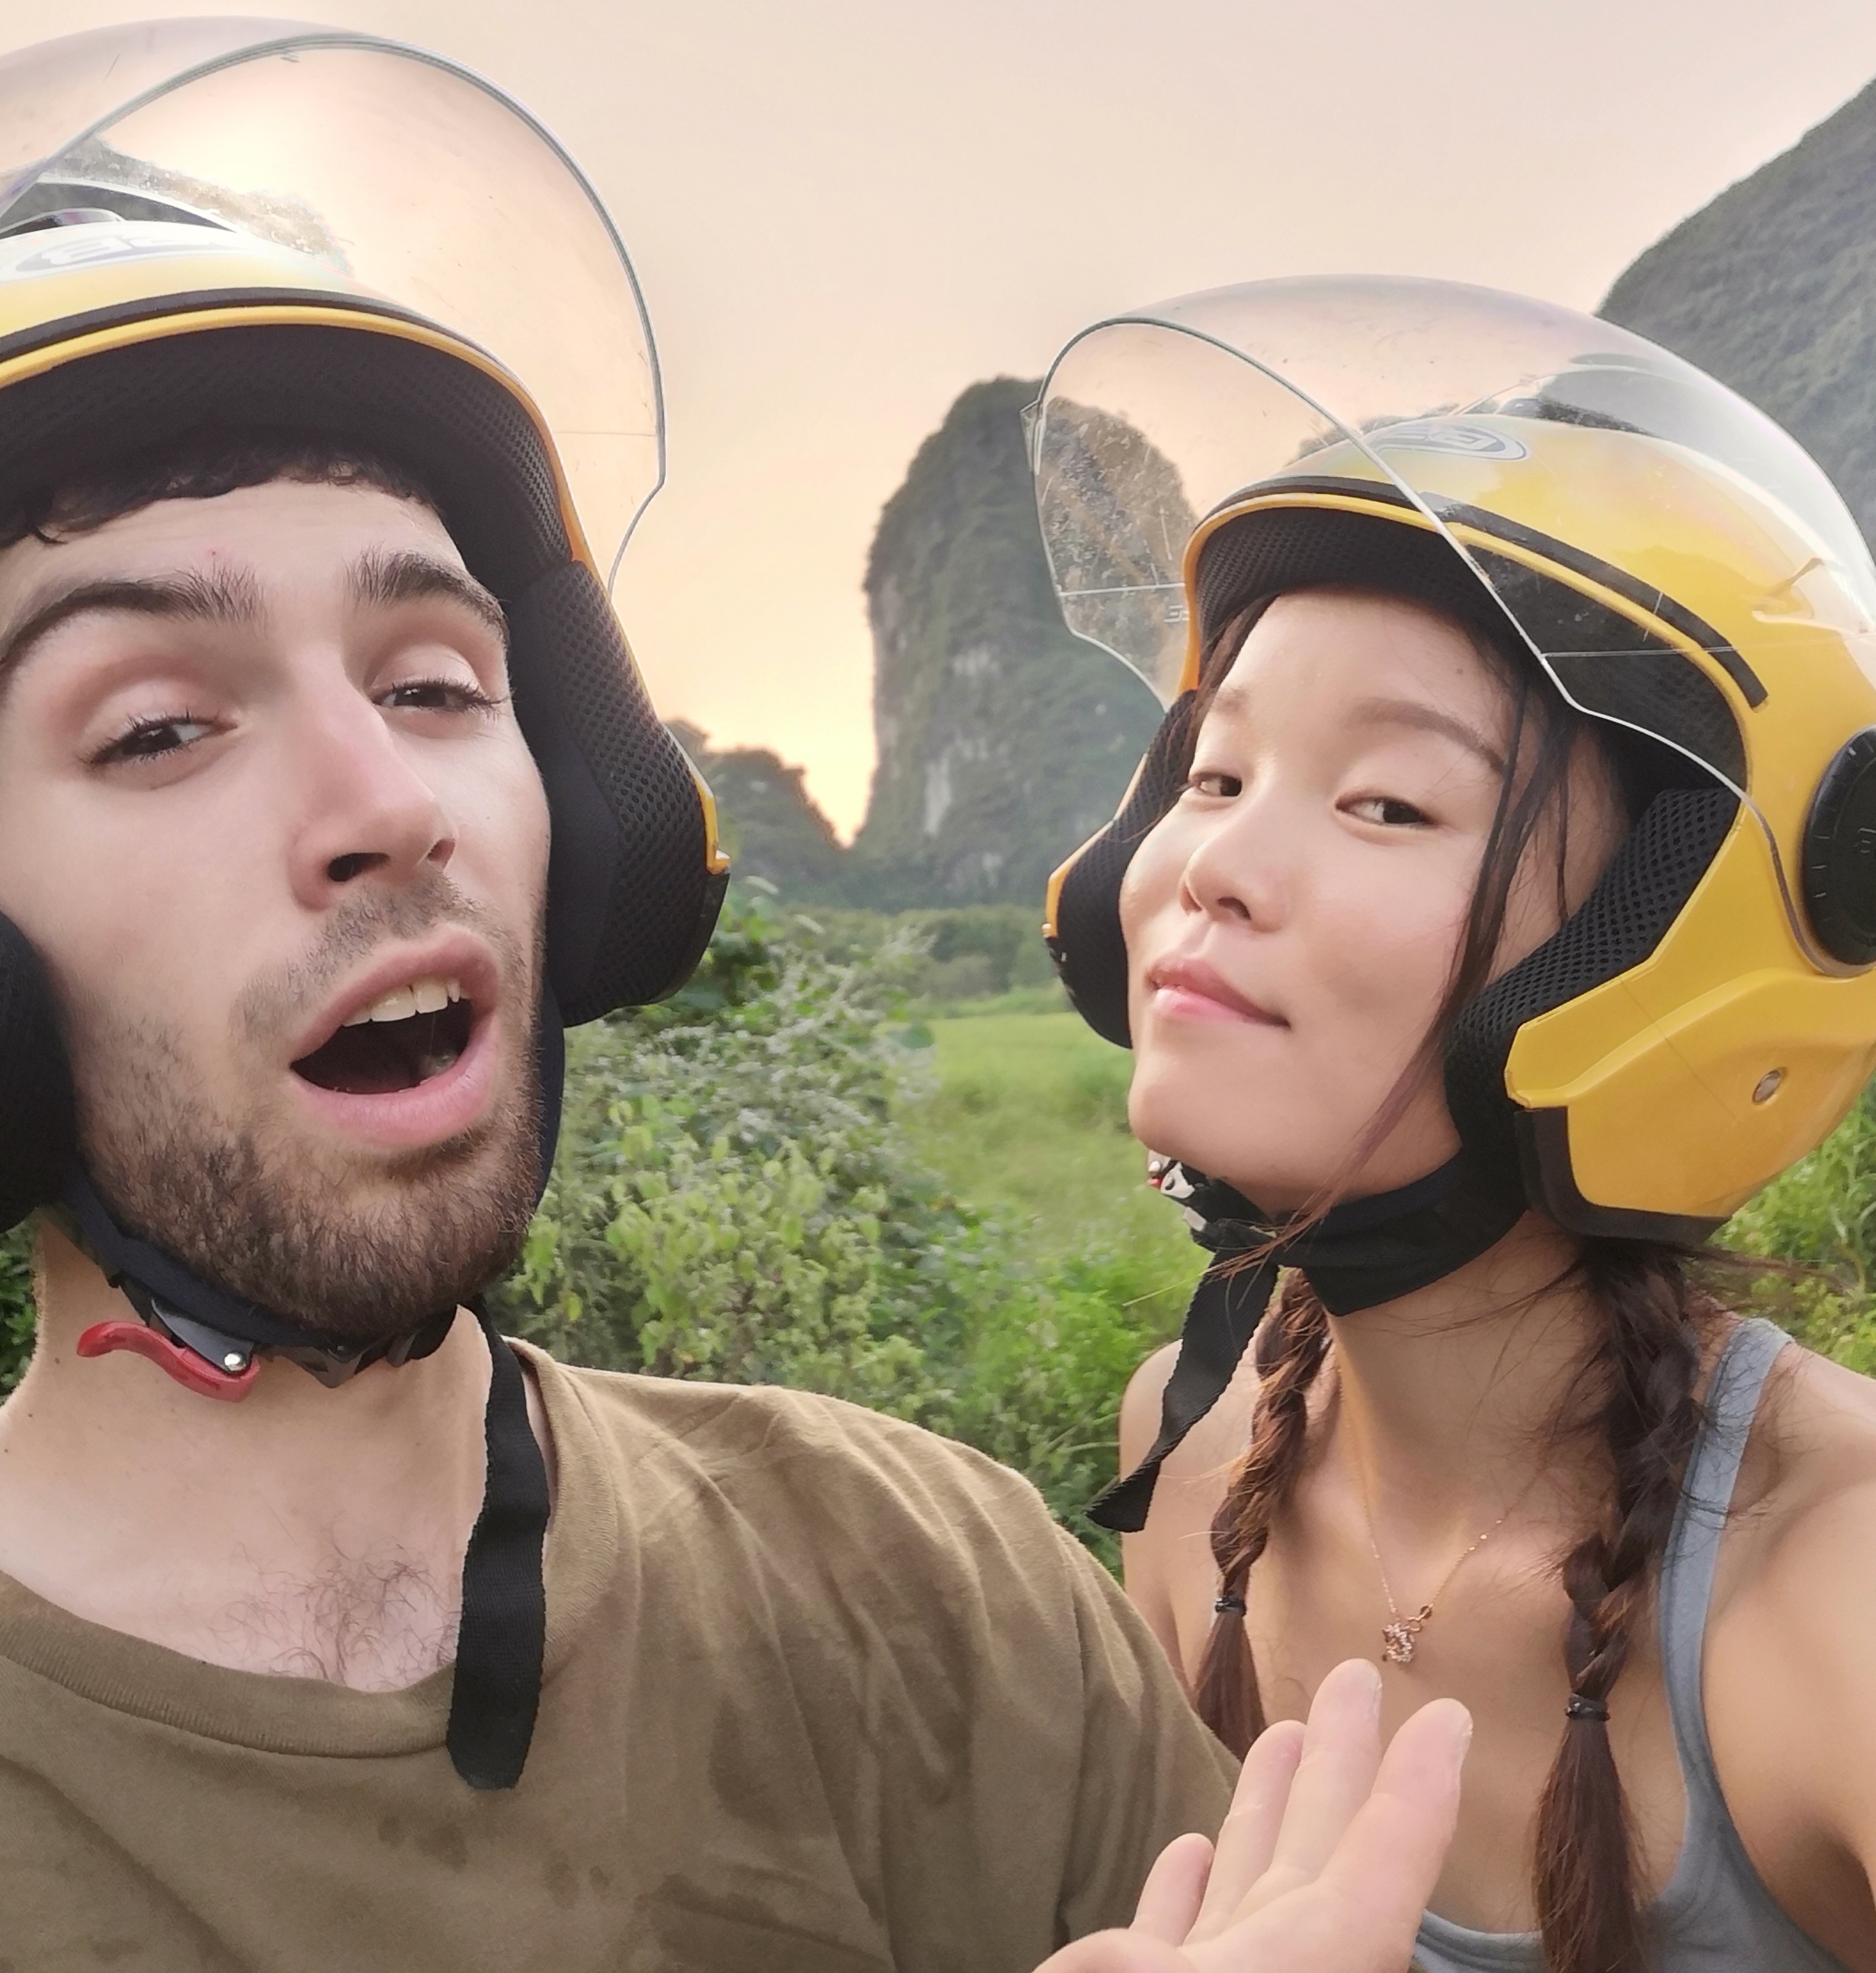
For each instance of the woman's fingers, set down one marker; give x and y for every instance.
(1248, 1838)
(1174, 1888)
(1341, 1756)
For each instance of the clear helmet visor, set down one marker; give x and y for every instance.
(1510, 427)
(391, 169)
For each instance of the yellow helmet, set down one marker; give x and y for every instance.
(1679, 567)
(258, 225)
(261, 223)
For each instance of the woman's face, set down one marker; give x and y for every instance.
(1292, 924)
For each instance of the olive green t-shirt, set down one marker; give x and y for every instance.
(822, 1691)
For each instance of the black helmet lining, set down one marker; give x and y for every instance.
(631, 901)
(1682, 814)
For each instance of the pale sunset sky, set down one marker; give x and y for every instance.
(844, 211)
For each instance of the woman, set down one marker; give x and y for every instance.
(1496, 909)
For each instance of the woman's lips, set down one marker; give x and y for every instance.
(1189, 990)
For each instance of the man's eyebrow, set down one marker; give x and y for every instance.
(385, 578)
(1424, 719)
(227, 596)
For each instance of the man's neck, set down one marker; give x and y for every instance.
(304, 1531)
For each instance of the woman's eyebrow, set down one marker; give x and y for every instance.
(1424, 719)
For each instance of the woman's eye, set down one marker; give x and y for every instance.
(437, 695)
(149, 739)
(1389, 812)
(1223, 786)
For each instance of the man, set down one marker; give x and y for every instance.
(326, 787)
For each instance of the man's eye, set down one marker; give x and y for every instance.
(1389, 812)
(151, 738)
(437, 695)
(1223, 787)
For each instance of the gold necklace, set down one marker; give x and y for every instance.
(1400, 1636)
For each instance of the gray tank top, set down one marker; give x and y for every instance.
(1714, 1916)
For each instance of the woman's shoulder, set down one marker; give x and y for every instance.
(1815, 1439)
(1790, 1706)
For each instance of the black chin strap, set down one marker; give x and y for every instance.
(1357, 1255)
(501, 1635)
(501, 1639)
(225, 1331)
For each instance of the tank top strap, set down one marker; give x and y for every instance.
(1714, 1916)
(1693, 1552)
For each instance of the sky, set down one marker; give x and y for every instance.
(843, 212)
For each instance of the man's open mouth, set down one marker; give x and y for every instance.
(403, 1037)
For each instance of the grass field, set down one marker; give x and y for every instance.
(1029, 1115)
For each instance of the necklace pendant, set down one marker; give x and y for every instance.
(1396, 1643)
(1399, 1640)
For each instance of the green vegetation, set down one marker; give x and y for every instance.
(1821, 1218)
(16, 1304)
(797, 1172)
(1030, 1116)
(972, 953)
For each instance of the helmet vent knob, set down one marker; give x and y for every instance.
(1840, 853)
(1768, 1085)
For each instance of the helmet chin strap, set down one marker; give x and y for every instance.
(208, 1340)
(1358, 1255)
(211, 1342)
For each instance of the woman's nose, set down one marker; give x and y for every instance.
(1236, 872)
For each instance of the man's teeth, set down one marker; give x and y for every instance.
(427, 995)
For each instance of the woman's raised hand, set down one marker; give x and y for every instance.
(1326, 1860)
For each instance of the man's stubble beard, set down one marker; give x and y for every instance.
(360, 1253)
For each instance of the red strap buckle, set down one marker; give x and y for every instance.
(194, 1372)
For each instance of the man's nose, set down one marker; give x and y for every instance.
(365, 807)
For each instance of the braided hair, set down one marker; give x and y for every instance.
(1291, 1343)
(1644, 1366)
(1644, 1363)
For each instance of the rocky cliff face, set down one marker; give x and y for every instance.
(1772, 287)
(770, 824)
(1003, 740)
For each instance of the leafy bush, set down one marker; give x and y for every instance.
(736, 1198)
(16, 1304)
(1821, 1218)
(730, 1199)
